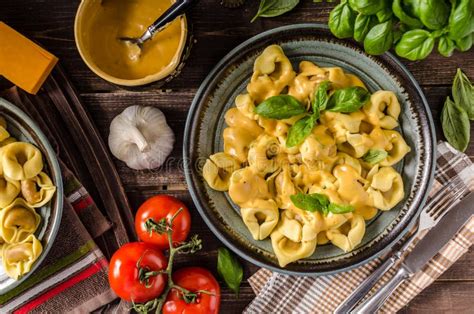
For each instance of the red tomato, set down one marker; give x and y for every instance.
(194, 279)
(157, 208)
(124, 276)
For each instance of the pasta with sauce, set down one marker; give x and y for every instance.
(306, 166)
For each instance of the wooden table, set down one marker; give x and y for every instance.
(216, 31)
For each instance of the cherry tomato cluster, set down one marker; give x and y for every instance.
(140, 273)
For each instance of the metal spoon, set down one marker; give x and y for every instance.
(178, 8)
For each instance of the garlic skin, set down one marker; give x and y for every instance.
(140, 137)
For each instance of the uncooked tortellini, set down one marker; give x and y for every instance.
(21, 161)
(18, 258)
(18, 221)
(38, 190)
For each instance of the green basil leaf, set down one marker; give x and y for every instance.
(465, 43)
(348, 99)
(300, 131)
(379, 39)
(229, 268)
(340, 209)
(374, 156)
(321, 97)
(446, 46)
(341, 20)
(272, 8)
(363, 23)
(414, 45)
(461, 20)
(280, 107)
(403, 16)
(311, 202)
(384, 14)
(463, 93)
(433, 14)
(456, 126)
(367, 7)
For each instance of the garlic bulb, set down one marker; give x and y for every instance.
(140, 137)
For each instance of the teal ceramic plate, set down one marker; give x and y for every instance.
(313, 42)
(24, 129)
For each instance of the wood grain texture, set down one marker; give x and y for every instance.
(216, 31)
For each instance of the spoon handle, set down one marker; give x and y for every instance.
(178, 8)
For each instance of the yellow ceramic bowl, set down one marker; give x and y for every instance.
(99, 24)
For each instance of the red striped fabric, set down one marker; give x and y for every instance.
(82, 204)
(84, 274)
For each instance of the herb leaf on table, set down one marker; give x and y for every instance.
(229, 269)
(272, 8)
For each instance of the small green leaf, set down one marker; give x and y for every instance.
(456, 125)
(348, 99)
(340, 209)
(465, 43)
(403, 16)
(363, 24)
(379, 39)
(374, 156)
(384, 15)
(311, 202)
(463, 93)
(433, 14)
(367, 7)
(341, 20)
(321, 97)
(446, 46)
(272, 8)
(415, 45)
(280, 107)
(229, 269)
(461, 20)
(300, 131)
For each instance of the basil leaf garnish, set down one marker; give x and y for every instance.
(272, 8)
(340, 209)
(321, 98)
(456, 126)
(280, 107)
(319, 202)
(310, 202)
(374, 156)
(229, 269)
(348, 99)
(463, 93)
(300, 131)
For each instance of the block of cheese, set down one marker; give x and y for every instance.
(23, 62)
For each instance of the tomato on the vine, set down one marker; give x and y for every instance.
(153, 211)
(200, 282)
(128, 281)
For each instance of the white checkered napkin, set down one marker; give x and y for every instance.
(277, 293)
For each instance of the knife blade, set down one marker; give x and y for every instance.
(439, 235)
(425, 249)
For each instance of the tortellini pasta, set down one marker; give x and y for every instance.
(18, 221)
(262, 174)
(21, 161)
(18, 258)
(24, 186)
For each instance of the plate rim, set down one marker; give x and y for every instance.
(188, 172)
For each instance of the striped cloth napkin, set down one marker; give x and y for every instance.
(74, 275)
(277, 293)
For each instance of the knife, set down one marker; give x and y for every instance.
(426, 248)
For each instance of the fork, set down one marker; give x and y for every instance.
(429, 217)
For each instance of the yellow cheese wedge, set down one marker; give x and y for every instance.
(23, 62)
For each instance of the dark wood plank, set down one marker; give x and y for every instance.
(211, 24)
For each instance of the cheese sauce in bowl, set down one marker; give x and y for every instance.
(99, 25)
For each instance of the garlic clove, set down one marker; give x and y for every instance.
(141, 138)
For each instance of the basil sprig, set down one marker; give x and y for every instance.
(319, 202)
(303, 127)
(280, 107)
(463, 93)
(229, 268)
(374, 156)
